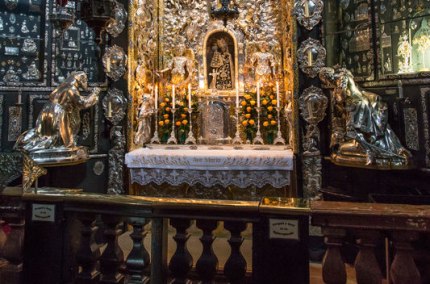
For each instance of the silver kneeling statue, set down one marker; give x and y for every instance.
(53, 140)
(361, 135)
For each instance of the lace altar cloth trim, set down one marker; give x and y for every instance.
(239, 178)
(221, 158)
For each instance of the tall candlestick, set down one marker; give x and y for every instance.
(189, 96)
(173, 96)
(156, 97)
(237, 94)
(277, 94)
(258, 94)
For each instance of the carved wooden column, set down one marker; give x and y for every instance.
(334, 271)
(403, 268)
(235, 266)
(366, 266)
(89, 251)
(138, 259)
(182, 261)
(207, 265)
(113, 257)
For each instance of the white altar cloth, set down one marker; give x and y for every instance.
(241, 166)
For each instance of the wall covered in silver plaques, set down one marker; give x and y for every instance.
(35, 57)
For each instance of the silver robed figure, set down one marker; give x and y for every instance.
(53, 140)
(361, 135)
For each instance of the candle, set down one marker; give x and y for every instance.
(173, 96)
(108, 65)
(156, 97)
(19, 97)
(258, 94)
(189, 96)
(109, 109)
(277, 94)
(306, 9)
(237, 95)
(310, 57)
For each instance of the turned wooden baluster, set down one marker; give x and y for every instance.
(235, 266)
(207, 265)
(333, 268)
(138, 259)
(89, 251)
(366, 266)
(403, 269)
(182, 261)
(113, 257)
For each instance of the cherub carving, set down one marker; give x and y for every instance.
(261, 63)
(180, 67)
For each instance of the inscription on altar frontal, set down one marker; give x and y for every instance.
(284, 229)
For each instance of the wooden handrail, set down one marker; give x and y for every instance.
(288, 206)
(371, 215)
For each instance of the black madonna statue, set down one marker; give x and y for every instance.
(361, 135)
(53, 140)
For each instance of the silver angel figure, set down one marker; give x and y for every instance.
(361, 135)
(59, 121)
(264, 64)
(181, 66)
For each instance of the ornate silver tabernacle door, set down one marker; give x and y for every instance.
(214, 121)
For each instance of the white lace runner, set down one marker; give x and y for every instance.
(210, 166)
(242, 179)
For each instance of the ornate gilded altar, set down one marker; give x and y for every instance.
(212, 73)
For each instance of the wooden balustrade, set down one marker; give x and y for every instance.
(370, 224)
(122, 216)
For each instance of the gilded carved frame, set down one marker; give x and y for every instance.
(155, 22)
(236, 60)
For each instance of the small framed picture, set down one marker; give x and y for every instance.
(71, 39)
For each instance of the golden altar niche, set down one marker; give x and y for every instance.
(198, 79)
